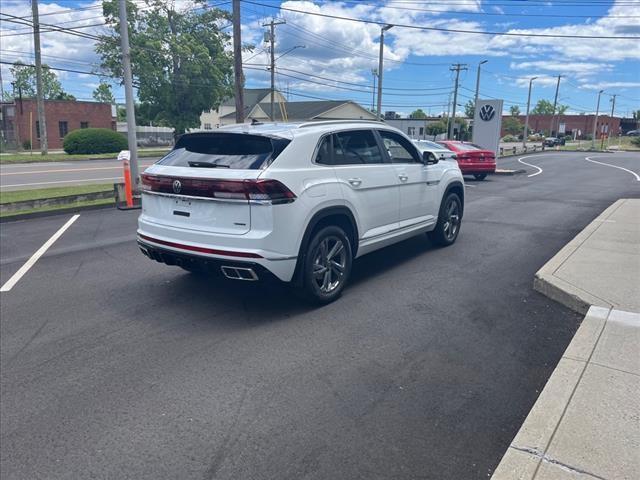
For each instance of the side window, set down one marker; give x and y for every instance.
(356, 147)
(323, 157)
(399, 148)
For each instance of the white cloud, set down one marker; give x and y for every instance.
(578, 68)
(541, 80)
(607, 85)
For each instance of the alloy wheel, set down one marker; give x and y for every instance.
(329, 264)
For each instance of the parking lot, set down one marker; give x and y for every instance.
(114, 366)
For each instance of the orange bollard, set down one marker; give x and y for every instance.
(127, 183)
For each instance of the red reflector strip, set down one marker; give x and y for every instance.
(211, 251)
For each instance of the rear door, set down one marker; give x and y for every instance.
(418, 183)
(368, 181)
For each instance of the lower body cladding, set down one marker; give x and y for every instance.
(249, 269)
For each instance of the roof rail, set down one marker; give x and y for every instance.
(337, 122)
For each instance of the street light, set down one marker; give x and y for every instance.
(291, 50)
(595, 122)
(526, 120)
(478, 82)
(380, 66)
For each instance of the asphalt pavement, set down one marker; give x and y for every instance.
(114, 366)
(22, 176)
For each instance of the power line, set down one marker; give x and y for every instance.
(459, 12)
(438, 29)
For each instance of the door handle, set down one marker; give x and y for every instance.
(355, 181)
(403, 177)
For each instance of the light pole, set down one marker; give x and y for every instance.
(380, 69)
(526, 119)
(475, 100)
(595, 122)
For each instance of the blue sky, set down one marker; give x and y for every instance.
(338, 56)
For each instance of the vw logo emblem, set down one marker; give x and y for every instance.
(177, 186)
(487, 112)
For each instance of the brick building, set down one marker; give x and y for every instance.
(20, 120)
(573, 125)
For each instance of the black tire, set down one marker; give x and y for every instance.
(324, 286)
(480, 176)
(449, 221)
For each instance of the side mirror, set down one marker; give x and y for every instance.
(428, 158)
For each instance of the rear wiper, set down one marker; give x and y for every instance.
(207, 165)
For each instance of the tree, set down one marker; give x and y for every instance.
(24, 78)
(545, 107)
(181, 60)
(419, 113)
(512, 126)
(514, 110)
(436, 128)
(470, 109)
(103, 93)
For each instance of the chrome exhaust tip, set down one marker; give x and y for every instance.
(239, 273)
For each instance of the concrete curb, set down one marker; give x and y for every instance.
(501, 171)
(49, 213)
(54, 202)
(547, 283)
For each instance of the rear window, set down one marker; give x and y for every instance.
(225, 150)
(428, 144)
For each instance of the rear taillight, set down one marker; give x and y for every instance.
(461, 157)
(251, 190)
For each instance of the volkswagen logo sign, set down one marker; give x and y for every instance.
(177, 186)
(487, 112)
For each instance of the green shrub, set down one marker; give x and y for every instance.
(509, 138)
(26, 144)
(94, 140)
(635, 141)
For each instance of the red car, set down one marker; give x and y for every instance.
(472, 159)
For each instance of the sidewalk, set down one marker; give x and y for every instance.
(586, 422)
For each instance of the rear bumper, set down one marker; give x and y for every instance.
(173, 251)
(477, 167)
(207, 264)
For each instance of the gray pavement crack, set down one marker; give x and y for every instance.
(546, 458)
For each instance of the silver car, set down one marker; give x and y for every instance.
(441, 153)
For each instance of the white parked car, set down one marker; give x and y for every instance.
(441, 153)
(296, 201)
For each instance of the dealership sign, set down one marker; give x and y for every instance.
(487, 123)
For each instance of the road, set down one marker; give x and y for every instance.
(61, 174)
(114, 366)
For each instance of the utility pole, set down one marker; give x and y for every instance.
(456, 67)
(448, 113)
(613, 107)
(525, 134)
(272, 48)
(381, 69)
(237, 63)
(44, 147)
(595, 122)
(374, 73)
(555, 103)
(128, 93)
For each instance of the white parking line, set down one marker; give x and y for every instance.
(530, 165)
(614, 166)
(34, 258)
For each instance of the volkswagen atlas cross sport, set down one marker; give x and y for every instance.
(298, 202)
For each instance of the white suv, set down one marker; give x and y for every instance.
(294, 201)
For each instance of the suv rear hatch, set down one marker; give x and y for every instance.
(209, 181)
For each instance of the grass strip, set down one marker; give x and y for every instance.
(53, 192)
(63, 157)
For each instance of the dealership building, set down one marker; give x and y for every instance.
(578, 126)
